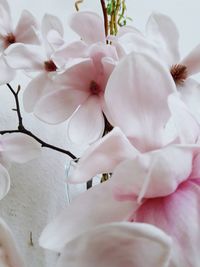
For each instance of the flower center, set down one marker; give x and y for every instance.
(50, 66)
(94, 88)
(179, 73)
(9, 39)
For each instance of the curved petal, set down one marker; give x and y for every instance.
(116, 245)
(81, 215)
(5, 18)
(87, 124)
(39, 86)
(191, 61)
(178, 215)
(9, 256)
(19, 147)
(78, 75)
(74, 50)
(49, 23)
(142, 85)
(103, 156)
(25, 31)
(59, 105)
(55, 40)
(89, 26)
(153, 174)
(163, 32)
(7, 74)
(186, 125)
(25, 57)
(4, 182)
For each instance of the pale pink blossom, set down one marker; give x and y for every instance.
(117, 245)
(18, 148)
(37, 60)
(9, 252)
(25, 32)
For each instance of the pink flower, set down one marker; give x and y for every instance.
(25, 32)
(18, 148)
(39, 61)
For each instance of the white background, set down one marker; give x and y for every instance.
(37, 191)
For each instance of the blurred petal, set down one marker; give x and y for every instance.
(116, 245)
(59, 105)
(24, 57)
(142, 85)
(89, 26)
(87, 123)
(9, 256)
(19, 147)
(5, 18)
(153, 174)
(178, 215)
(187, 127)
(90, 209)
(192, 61)
(55, 39)
(37, 87)
(7, 74)
(4, 182)
(25, 31)
(163, 32)
(104, 156)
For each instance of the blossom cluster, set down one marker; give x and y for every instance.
(131, 98)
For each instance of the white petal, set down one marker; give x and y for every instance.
(9, 255)
(192, 61)
(6, 74)
(118, 245)
(19, 147)
(87, 123)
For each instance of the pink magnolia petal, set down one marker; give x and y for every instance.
(78, 75)
(55, 39)
(59, 105)
(24, 57)
(190, 94)
(19, 147)
(191, 61)
(4, 182)
(7, 74)
(38, 86)
(51, 22)
(74, 50)
(104, 156)
(89, 26)
(118, 244)
(9, 256)
(186, 125)
(87, 123)
(81, 215)
(153, 174)
(25, 31)
(178, 215)
(133, 109)
(162, 30)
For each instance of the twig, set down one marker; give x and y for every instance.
(77, 3)
(22, 129)
(105, 15)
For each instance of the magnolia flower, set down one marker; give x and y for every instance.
(25, 32)
(9, 253)
(162, 41)
(18, 148)
(39, 61)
